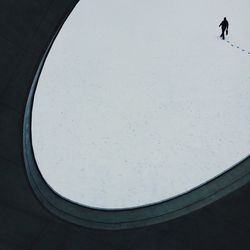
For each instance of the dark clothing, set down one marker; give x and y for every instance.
(224, 26)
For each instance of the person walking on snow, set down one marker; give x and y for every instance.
(224, 26)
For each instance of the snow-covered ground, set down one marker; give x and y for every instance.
(140, 101)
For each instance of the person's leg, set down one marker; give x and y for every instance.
(223, 34)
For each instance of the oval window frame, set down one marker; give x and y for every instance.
(116, 219)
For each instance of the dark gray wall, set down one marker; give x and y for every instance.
(26, 27)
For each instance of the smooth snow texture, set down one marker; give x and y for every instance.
(140, 101)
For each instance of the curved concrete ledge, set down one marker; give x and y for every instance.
(75, 213)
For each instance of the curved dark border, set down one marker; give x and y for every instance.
(199, 197)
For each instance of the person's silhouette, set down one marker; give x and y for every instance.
(224, 26)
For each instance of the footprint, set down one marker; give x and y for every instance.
(238, 47)
(243, 50)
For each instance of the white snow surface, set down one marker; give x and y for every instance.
(140, 101)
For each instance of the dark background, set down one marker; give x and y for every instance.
(26, 27)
